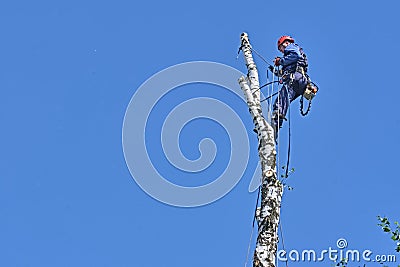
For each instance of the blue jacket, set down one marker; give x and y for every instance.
(293, 55)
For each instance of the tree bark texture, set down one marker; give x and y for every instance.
(268, 213)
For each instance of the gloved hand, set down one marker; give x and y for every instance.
(275, 71)
(271, 68)
(277, 61)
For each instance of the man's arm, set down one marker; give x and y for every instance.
(292, 55)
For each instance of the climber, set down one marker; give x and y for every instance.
(294, 77)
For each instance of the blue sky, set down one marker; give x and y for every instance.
(69, 70)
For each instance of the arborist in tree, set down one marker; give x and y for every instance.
(294, 77)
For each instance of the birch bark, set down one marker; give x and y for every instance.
(268, 213)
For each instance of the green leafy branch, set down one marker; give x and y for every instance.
(285, 175)
(395, 232)
(342, 263)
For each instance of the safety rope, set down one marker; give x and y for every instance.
(269, 97)
(283, 242)
(269, 83)
(252, 228)
(262, 86)
(289, 141)
(258, 54)
(278, 126)
(270, 94)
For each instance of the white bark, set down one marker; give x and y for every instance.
(271, 188)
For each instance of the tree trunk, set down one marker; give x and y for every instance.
(268, 213)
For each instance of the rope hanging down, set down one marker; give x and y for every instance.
(252, 228)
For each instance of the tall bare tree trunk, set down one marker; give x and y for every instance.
(271, 188)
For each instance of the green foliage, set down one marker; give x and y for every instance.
(384, 223)
(342, 263)
(285, 174)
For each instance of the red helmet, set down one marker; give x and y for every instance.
(285, 38)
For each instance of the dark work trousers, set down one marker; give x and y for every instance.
(290, 90)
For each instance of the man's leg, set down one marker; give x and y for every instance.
(298, 86)
(287, 94)
(281, 102)
(281, 105)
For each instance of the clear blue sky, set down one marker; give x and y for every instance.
(68, 71)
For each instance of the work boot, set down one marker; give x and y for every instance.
(275, 127)
(277, 119)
